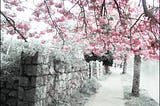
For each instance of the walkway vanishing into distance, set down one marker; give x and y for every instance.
(110, 93)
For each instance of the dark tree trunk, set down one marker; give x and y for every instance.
(115, 65)
(90, 70)
(121, 65)
(125, 65)
(106, 69)
(136, 76)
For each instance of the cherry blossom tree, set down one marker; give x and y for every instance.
(121, 26)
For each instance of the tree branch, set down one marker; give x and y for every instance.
(84, 15)
(118, 8)
(132, 27)
(148, 13)
(56, 26)
(13, 25)
(71, 8)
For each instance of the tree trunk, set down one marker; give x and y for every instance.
(124, 65)
(136, 76)
(90, 70)
(106, 69)
(121, 65)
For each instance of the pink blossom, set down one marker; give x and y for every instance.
(26, 27)
(12, 32)
(137, 42)
(40, 4)
(42, 32)
(58, 5)
(19, 37)
(98, 54)
(50, 3)
(78, 40)
(84, 35)
(12, 15)
(91, 7)
(37, 36)
(102, 21)
(145, 58)
(62, 11)
(55, 37)
(14, 2)
(154, 57)
(137, 53)
(31, 34)
(93, 44)
(68, 48)
(37, 13)
(43, 42)
(52, 25)
(37, 19)
(20, 9)
(95, 49)
(69, 16)
(7, 6)
(20, 26)
(115, 40)
(60, 19)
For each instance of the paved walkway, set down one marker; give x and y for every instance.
(111, 92)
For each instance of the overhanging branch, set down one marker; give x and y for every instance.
(13, 25)
(56, 26)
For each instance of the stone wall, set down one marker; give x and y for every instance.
(44, 79)
(67, 79)
(9, 91)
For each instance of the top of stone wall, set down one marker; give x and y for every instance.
(37, 58)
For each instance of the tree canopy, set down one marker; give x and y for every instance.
(121, 26)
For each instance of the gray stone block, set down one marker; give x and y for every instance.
(23, 81)
(45, 70)
(29, 70)
(23, 103)
(26, 60)
(39, 81)
(4, 91)
(29, 95)
(9, 85)
(39, 103)
(31, 104)
(41, 59)
(13, 94)
(2, 98)
(12, 102)
(32, 81)
(20, 93)
(2, 84)
(40, 93)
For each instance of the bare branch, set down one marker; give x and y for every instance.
(148, 13)
(118, 8)
(12, 23)
(56, 26)
(72, 7)
(84, 16)
(132, 27)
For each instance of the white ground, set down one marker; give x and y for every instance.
(111, 92)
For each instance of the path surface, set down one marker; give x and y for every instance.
(111, 92)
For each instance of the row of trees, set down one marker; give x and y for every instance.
(124, 27)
